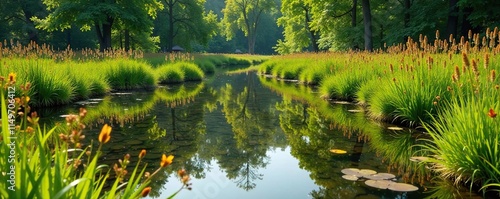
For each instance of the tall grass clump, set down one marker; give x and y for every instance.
(48, 90)
(191, 71)
(412, 95)
(314, 73)
(129, 74)
(206, 65)
(267, 67)
(465, 141)
(291, 71)
(168, 73)
(345, 84)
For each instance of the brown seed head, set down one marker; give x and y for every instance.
(142, 153)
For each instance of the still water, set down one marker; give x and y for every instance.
(240, 135)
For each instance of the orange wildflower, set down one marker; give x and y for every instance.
(104, 136)
(165, 161)
(492, 113)
(145, 191)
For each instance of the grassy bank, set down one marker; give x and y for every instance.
(64, 167)
(448, 88)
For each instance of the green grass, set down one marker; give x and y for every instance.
(168, 73)
(129, 74)
(191, 71)
(465, 140)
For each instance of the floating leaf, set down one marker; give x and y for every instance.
(357, 172)
(380, 184)
(366, 172)
(351, 171)
(350, 177)
(338, 151)
(380, 176)
(402, 187)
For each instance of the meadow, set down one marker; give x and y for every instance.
(447, 88)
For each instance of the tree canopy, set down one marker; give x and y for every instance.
(253, 26)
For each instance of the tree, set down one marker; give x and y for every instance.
(135, 15)
(296, 21)
(245, 15)
(367, 21)
(185, 21)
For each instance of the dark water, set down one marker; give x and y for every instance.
(245, 136)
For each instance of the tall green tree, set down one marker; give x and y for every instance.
(183, 22)
(136, 15)
(296, 19)
(245, 15)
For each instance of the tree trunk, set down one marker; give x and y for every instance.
(104, 34)
(312, 34)
(127, 40)
(251, 43)
(452, 24)
(367, 21)
(354, 21)
(170, 34)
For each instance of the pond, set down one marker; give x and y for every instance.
(240, 135)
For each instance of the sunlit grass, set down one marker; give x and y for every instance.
(129, 74)
(190, 70)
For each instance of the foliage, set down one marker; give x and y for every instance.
(183, 23)
(134, 15)
(244, 15)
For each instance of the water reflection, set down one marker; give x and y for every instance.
(244, 136)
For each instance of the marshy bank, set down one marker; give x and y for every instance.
(447, 89)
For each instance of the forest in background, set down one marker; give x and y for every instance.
(252, 26)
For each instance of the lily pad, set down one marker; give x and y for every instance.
(366, 172)
(380, 184)
(358, 172)
(350, 177)
(380, 176)
(338, 151)
(402, 187)
(351, 171)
